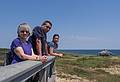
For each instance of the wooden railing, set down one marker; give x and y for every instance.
(21, 72)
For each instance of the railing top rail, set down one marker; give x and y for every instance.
(21, 71)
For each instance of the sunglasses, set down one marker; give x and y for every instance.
(48, 27)
(24, 31)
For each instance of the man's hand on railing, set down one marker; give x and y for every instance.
(60, 55)
(43, 58)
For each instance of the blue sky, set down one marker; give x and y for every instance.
(82, 24)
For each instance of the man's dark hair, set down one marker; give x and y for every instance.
(47, 21)
(55, 35)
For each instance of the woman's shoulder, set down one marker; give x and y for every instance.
(16, 40)
(15, 43)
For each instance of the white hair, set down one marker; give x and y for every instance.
(23, 25)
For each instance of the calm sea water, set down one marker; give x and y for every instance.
(89, 52)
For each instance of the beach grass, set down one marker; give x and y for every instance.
(87, 67)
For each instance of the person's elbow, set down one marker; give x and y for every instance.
(23, 57)
(52, 54)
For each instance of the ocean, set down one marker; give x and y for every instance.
(89, 52)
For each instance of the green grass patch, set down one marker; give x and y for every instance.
(83, 66)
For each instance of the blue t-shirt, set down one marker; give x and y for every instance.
(26, 46)
(39, 34)
(52, 45)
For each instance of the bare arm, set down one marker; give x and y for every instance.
(55, 54)
(19, 51)
(38, 47)
(39, 57)
(46, 47)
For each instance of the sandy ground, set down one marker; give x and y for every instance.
(112, 70)
(72, 78)
(115, 69)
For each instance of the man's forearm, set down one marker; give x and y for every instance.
(38, 47)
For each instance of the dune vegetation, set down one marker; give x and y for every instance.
(91, 68)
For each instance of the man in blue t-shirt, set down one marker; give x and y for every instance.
(38, 38)
(53, 45)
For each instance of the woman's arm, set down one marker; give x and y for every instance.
(19, 51)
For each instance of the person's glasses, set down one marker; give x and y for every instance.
(24, 31)
(48, 27)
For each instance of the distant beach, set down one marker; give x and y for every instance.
(90, 52)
